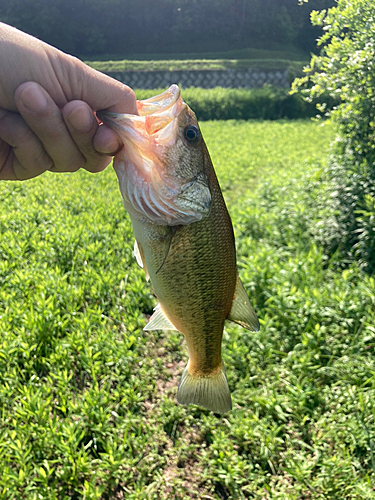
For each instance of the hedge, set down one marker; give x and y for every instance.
(268, 103)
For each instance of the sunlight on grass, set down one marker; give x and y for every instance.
(88, 400)
(245, 153)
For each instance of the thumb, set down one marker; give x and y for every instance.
(100, 91)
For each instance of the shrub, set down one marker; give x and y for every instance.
(346, 69)
(268, 103)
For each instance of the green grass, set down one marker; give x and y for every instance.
(274, 51)
(88, 400)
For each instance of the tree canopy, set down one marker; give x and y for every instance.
(148, 26)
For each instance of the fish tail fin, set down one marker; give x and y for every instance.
(210, 391)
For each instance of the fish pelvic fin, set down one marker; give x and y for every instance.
(159, 321)
(242, 311)
(210, 391)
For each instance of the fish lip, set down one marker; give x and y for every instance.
(154, 105)
(161, 102)
(111, 118)
(105, 115)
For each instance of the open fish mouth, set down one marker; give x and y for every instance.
(157, 119)
(149, 184)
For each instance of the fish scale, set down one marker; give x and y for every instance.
(199, 316)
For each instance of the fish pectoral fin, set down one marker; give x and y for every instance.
(140, 257)
(165, 245)
(242, 311)
(159, 321)
(210, 391)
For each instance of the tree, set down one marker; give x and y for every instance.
(167, 26)
(346, 68)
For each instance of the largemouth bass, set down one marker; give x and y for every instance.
(184, 238)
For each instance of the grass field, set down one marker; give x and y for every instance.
(88, 400)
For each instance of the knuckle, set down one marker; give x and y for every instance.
(75, 165)
(97, 166)
(68, 164)
(42, 159)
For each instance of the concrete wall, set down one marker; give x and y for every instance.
(230, 78)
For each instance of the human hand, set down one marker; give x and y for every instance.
(47, 104)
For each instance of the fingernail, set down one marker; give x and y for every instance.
(81, 119)
(34, 99)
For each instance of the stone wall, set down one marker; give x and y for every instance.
(230, 78)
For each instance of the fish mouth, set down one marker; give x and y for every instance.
(157, 119)
(147, 186)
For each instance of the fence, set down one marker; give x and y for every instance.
(230, 78)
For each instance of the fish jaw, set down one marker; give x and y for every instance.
(155, 184)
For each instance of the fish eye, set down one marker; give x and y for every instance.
(192, 134)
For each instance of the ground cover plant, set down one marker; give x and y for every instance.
(87, 400)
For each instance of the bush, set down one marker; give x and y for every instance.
(268, 103)
(346, 69)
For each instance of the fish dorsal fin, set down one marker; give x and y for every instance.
(139, 255)
(242, 311)
(159, 321)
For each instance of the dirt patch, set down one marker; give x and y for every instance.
(175, 370)
(181, 483)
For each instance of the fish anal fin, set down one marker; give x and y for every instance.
(242, 311)
(140, 257)
(159, 321)
(210, 391)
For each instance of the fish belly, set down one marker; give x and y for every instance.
(193, 274)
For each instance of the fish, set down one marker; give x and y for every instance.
(184, 238)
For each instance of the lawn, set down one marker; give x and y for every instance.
(88, 400)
